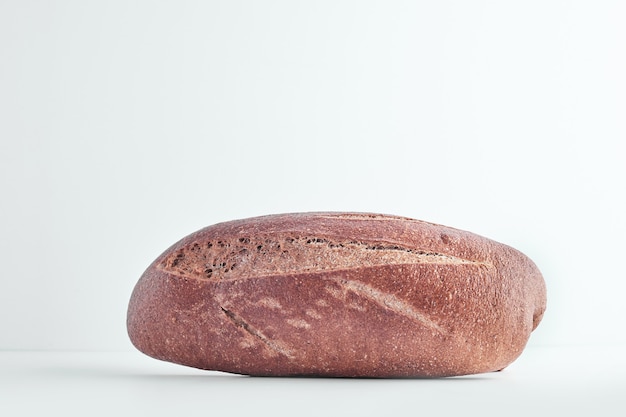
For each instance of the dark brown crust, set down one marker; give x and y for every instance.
(337, 294)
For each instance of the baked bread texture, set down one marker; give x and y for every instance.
(337, 295)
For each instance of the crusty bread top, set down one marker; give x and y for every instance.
(314, 242)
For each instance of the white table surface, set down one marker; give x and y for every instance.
(558, 381)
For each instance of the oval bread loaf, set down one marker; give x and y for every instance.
(337, 294)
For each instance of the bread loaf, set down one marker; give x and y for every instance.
(337, 294)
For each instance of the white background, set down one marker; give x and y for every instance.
(126, 125)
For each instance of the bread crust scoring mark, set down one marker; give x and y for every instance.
(365, 216)
(265, 256)
(387, 301)
(273, 346)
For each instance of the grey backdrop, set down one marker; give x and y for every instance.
(125, 125)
